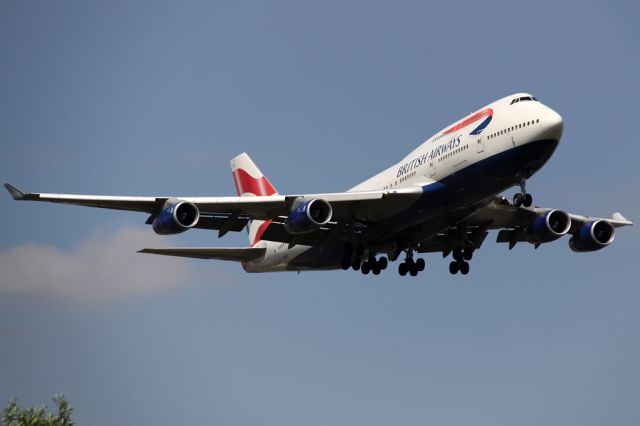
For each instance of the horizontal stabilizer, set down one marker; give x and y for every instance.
(237, 254)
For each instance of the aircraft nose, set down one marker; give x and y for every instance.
(553, 125)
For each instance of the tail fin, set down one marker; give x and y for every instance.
(250, 181)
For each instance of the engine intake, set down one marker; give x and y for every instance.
(549, 226)
(593, 236)
(176, 217)
(307, 216)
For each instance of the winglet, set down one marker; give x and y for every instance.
(15, 192)
(617, 216)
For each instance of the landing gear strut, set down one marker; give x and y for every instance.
(522, 198)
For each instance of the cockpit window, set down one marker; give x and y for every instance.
(524, 98)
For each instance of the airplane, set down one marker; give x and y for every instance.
(443, 197)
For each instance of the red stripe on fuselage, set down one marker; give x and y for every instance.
(245, 183)
(464, 123)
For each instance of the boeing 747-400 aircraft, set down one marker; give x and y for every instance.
(442, 197)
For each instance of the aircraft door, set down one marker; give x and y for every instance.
(432, 169)
(479, 145)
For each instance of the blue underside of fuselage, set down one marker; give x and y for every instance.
(465, 187)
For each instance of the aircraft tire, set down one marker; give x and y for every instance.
(454, 267)
(528, 200)
(518, 199)
(420, 264)
(356, 264)
(457, 254)
(383, 263)
(464, 268)
(403, 269)
(345, 263)
(468, 254)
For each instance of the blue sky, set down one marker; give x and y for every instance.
(154, 98)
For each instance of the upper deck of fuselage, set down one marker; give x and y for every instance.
(491, 119)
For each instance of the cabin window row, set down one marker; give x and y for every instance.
(407, 176)
(452, 153)
(512, 128)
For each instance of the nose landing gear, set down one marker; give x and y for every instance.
(522, 198)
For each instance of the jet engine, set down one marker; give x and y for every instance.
(548, 226)
(176, 216)
(307, 216)
(593, 236)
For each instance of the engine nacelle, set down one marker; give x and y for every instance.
(176, 217)
(549, 226)
(307, 216)
(593, 236)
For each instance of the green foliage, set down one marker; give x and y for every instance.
(13, 415)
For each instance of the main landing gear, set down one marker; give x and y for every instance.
(410, 266)
(374, 265)
(522, 198)
(460, 262)
(352, 260)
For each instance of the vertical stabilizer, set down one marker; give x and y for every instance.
(250, 181)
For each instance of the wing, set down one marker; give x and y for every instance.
(237, 254)
(364, 206)
(513, 221)
(499, 214)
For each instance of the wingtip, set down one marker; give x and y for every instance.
(15, 192)
(617, 216)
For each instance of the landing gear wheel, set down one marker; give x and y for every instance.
(464, 268)
(518, 199)
(413, 270)
(356, 264)
(454, 267)
(345, 263)
(382, 263)
(468, 254)
(457, 254)
(403, 269)
(528, 200)
(420, 264)
(375, 269)
(366, 267)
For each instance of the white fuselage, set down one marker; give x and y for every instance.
(492, 130)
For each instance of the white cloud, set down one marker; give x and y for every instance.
(100, 268)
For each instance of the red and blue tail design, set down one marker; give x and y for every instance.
(249, 182)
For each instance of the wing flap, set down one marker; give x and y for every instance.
(236, 254)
